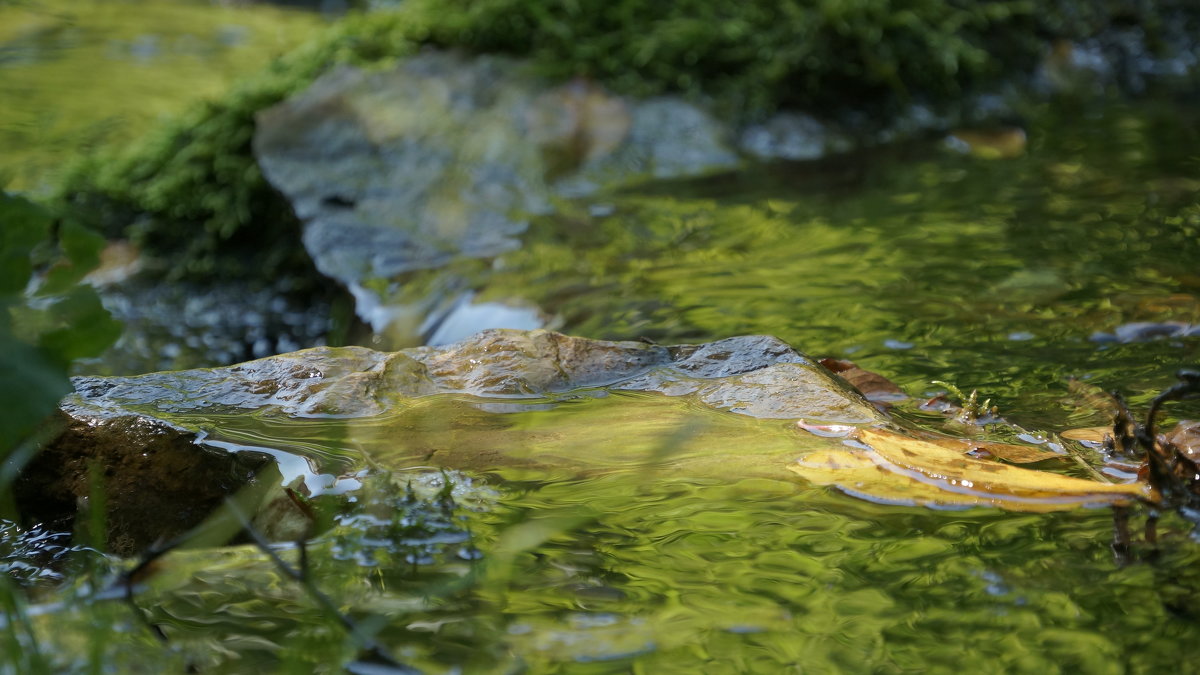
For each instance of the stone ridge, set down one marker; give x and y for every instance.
(759, 376)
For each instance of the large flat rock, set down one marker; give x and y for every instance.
(151, 445)
(758, 376)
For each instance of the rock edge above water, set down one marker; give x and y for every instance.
(759, 376)
(159, 480)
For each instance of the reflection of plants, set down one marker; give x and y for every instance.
(193, 188)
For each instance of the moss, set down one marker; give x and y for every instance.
(756, 55)
(193, 189)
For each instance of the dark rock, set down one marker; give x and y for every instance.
(1142, 331)
(156, 481)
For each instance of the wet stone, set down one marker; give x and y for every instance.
(755, 375)
(148, 441)
(156, 481)
(445, 158)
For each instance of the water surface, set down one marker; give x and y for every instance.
(634, 533)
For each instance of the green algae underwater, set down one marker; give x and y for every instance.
(916, 262)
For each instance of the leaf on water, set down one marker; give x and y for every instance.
(889, 467)
(1185, 437)
(1009, 452)
(999, 143)
(1088, 434)
(875, 387)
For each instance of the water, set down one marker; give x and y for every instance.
(633, 533)
(915, 261)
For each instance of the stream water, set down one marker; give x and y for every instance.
(1007, 276)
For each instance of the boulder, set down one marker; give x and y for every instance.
(163, 449)
(155, 480)
(445, 158)
(759, 376)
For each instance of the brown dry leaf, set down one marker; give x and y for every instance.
(873, 386)
(1001, 143)
(1087, 434)
(1186, 438)
(894, 468)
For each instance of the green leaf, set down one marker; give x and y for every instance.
(30, 388)
(81, 248)
(23, 225)
(81, 327)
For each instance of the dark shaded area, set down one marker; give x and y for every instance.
(156, 481)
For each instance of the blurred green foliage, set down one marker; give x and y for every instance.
(824, 55)
(47, 318)
(191, 188)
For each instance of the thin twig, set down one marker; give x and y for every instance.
(367, 644)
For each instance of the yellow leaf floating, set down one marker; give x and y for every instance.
(1088, 434)
(885, 466)
(1018, 454)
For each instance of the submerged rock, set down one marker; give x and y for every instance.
(445, 157)
(149, 444)
(1143, 331)
(758, 376)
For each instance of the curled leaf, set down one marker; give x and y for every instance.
(875, 387)
(886, 466)
(1088, 434)
(1185, 438)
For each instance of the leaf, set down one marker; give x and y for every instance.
(1002, 143)
(23, 225)
(1009, 452)
(893, 468)
(30, 386)
(873, 386)
(81, 249)
(1088, 434)
(1185, 438)
(82, 327)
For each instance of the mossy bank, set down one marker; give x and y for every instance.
(191, 189)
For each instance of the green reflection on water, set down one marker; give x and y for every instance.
(75, 74)
(673, 552)
(589, 432)
(683, 545)
(915, 261)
